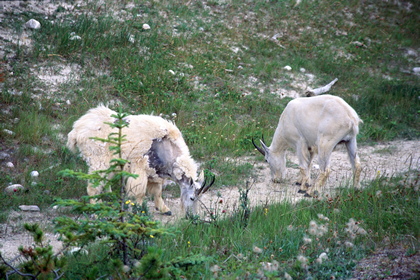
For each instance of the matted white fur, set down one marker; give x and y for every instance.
(143, 130)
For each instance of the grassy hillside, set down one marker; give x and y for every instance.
(215, 67)
(218, 69)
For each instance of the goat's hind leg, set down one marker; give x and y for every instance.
(91, 191)
(355, 161)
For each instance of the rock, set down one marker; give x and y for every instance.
(416, 70)
(287, 67)
(4, 155)
(10, 164)
(14, 188)
(146, 26)
(73, 36)
(33, 24)
(34, 174)
(9, 132)
(132, 39)
(32, 208)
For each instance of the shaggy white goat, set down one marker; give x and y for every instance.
(313, 125)
(154, 148)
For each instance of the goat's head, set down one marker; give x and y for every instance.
(276, 160)
(191, 191)
(170, 162)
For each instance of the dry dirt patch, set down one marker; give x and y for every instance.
(385, 159)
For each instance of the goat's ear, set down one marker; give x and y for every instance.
(264, 146)
(201, 176)
(262, 151)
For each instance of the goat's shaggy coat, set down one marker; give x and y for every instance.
(154, 148)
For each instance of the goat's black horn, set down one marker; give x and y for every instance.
(258, 148)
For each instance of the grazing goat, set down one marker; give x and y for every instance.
(313, 125)
(154, 148)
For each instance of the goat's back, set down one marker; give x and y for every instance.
(312, 117)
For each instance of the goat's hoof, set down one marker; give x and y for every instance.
(298, 184)
(169, 213)
(315, 194)
(301, 191)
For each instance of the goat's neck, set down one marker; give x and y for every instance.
(279, 143)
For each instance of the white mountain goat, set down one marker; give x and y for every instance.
(313, 125)
(154, 148)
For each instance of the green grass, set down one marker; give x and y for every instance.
(278, 230)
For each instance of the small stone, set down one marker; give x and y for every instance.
(33, 24)
(287, 67)
(4, 155)
(416, 70)
(7, 131)
(132, 39)
(75, 38)
(10, 164)
(14, 188)
(146, 26)
(34, 173)
(31, 208)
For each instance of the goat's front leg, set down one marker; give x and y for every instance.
(305, 156)
(320, 182)
(304, 180)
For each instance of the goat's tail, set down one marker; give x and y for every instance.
(72, 141)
